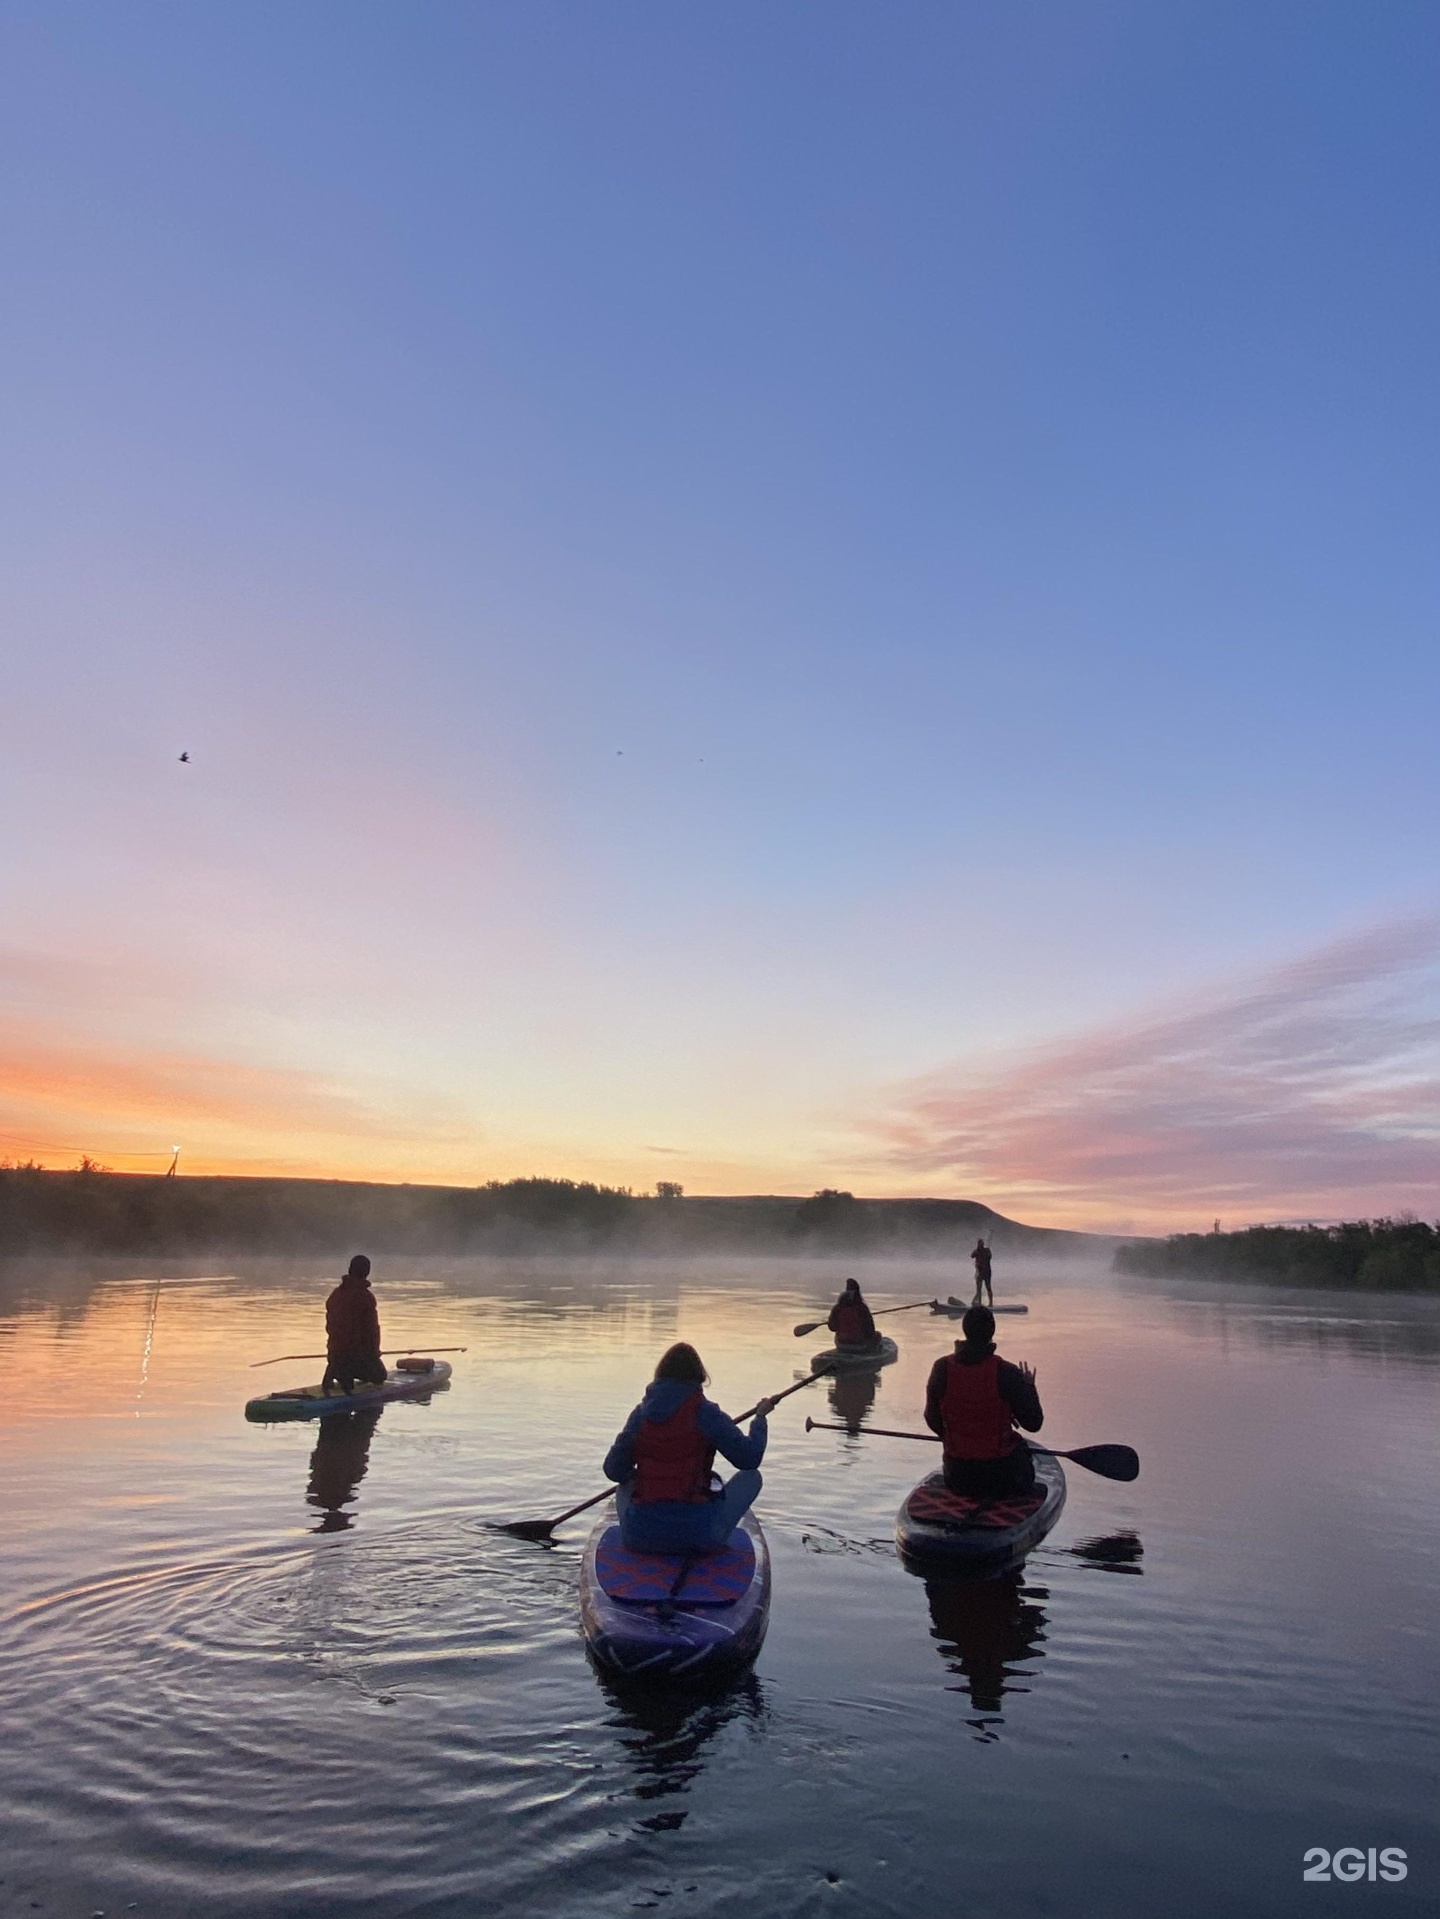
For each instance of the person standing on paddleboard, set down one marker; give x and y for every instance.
(352, 1332)
(974, 1401)
(663, 1455)
(981, 1257)
(850, 1319)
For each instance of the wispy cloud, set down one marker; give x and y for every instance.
(1311, 1092)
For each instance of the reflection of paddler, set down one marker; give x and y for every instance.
(664, 1734)
(850, 1319)
(852, 1393)
(337, 1465)
(986, 1627)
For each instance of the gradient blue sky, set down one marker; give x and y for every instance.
(720, 568)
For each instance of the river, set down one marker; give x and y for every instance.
(290, 1670)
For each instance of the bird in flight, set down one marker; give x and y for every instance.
(184, 759)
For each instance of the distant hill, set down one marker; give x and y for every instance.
(95, 1211)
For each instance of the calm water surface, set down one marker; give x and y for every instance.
(289, 1670)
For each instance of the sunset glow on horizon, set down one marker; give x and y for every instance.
(767, 600)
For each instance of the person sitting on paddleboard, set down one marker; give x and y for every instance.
(352, 1332)
(974, 1401)
(850, 1319)
(662, 1460)
(981, 1257)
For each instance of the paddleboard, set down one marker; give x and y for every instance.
(309, 1402)
(939, 1531)
(955, 1307)
(672, 1616)
(844, 1359)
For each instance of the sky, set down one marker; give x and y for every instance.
(776, 596)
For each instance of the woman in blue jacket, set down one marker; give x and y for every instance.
(662, 1460)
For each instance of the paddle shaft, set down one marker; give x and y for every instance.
(387, 1352)
(1110, 1461)
(550, 1524)
(777, 1397)
(880, 1432)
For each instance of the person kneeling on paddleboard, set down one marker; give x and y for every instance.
(850, 1319)
(352, 1332)
(663, 1456)
(974, 1401)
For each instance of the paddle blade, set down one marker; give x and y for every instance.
(525, 1528)
(1111, 1462)
(810, 1326)
(1113, 1552)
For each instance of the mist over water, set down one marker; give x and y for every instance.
(274, 1670)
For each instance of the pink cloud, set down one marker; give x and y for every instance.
(1312, 1092)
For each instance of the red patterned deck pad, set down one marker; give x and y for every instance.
(934, 1505)
(717, 1577)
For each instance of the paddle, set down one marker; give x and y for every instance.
(1111, 1462)
(389, 1352)
(542, 1528)
(814, 1325)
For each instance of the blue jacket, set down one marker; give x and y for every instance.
(673, 1525)
(662, 1398)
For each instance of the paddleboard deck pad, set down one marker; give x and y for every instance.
(845, 1359)
(715, 1578)
(937, 1529)
(309, 1402)
(669, 1616)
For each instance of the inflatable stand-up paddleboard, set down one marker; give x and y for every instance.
(411, 1379)
(956, 1308)
(844, 1359)
(941, 1532)
(674, 1616)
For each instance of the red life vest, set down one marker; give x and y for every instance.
(672, 1456)
(978, 1423)
(850, 1327)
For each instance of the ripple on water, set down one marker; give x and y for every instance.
(190, 1707)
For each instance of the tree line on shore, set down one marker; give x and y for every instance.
(1379, 1255)
(93, 1210)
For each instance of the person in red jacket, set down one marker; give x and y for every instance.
(850, 1319)
(975, 1401)
(352, 1331)
(663, 1455)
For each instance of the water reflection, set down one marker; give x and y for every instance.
(853, 1394)
(987, 1629)
(338, 1464)
(1380, 1326)
(664, 1735)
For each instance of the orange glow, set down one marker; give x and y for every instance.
(128, 1109)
